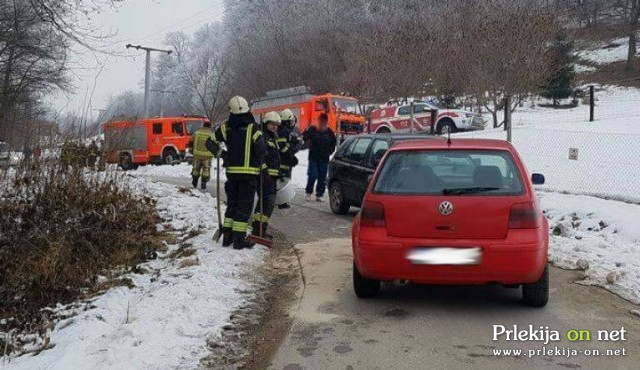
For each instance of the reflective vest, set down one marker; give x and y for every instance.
(199, 142)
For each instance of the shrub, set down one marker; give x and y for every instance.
(60, 227)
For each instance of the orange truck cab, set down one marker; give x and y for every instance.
(152, 140)
(343, 112)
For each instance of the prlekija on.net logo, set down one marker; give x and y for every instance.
(545, 334)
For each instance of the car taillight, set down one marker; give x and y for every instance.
(372, 215)
(525, 216)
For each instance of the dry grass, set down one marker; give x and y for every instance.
(613, 74)
(61, 226)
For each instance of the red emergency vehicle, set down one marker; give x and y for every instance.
(152, 140)
(397, 118)
(343, 112)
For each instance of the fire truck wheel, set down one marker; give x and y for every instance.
(169, 155)
(446, 126)
(125, 162)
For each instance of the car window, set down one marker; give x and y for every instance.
(452, 172)
(177, 128)
(405, 110)
(378, 149)
(193, 126)
(157, 128)
(357, 150)
(343, 148)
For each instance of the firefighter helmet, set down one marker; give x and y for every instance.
(272, 117)
(238, 105)
(287, 115)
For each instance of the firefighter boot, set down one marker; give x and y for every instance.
(194, 182)
(256, 230)
(242, 243)
(226, 237)
(203, 184)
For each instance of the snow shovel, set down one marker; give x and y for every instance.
(218, 234)
(260, 239)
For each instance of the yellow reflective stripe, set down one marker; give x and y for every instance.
(271, 144)
(243, 170)
(228, 222)
(284, 167)
(247, 147)
(285, 149)
(223, 129)
(273, 172)
(240, 226)
(256, 135)
(258, 217)
(282, 140)
(264, 165)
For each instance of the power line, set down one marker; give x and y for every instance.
(197, 14)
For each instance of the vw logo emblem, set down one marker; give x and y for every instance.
(446, 208)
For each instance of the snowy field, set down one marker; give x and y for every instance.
(608, 148)
(177, 304)
(608, 52)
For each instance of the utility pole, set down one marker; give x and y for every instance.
(147, 73)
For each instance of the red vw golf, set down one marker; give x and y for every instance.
(452, 212)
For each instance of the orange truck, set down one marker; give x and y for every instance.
(153, 140)
(343, 112)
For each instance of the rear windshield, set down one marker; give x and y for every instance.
(449, 172)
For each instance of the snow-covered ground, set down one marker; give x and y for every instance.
(607, 163)
(163, 322)
(607, 52)
(599, 236)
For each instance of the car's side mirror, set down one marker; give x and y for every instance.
(537, 179)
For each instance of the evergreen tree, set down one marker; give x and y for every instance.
(559, 85)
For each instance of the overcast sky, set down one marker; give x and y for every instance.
(143, 22)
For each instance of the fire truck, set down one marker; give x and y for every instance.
(397, 118)
(343, 112)
(153, 140)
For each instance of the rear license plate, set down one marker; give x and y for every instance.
(445, 256)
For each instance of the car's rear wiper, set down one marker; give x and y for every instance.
(462, 191)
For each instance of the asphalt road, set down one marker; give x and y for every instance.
(430, 327)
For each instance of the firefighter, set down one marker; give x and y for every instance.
(243, 159)
(270, 174)
(288, 145)
(201, 156)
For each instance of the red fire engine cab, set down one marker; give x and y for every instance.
(153, 140)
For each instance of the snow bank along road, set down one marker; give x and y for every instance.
(437, 327)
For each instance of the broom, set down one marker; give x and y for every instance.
(260, 239)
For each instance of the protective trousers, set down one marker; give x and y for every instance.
(269, 202)
(241, 190)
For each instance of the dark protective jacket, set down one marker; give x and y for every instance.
(287, 145)
(245, 144)
(272, 159)
(321, 144)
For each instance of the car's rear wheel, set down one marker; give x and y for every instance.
(338, 203)
(383, 130)
(364, 287)
(446, 126)
(536, 294)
